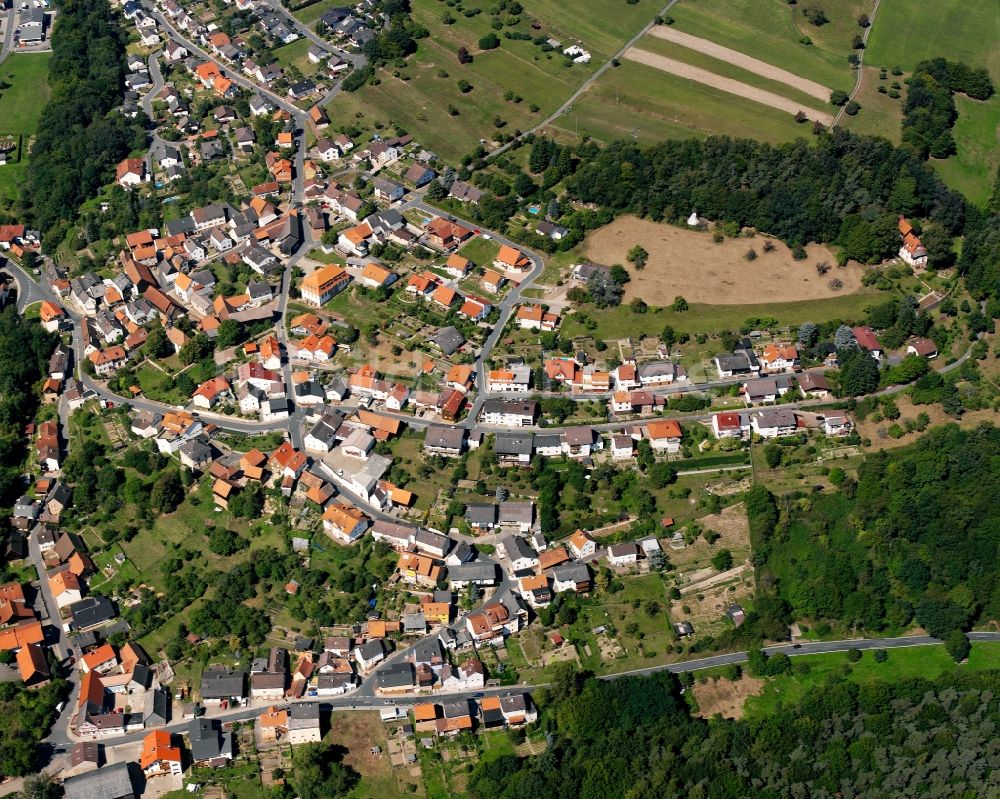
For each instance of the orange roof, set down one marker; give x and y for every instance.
(556, 368)
(460, 374)
(221, 488)
(91, 689)
(422, 282)
(425, 712)
(156, 747)
(580, 539)
(444, 295)
(140, 238)
(440, 611)
(380, 422)
(211, 388)
(456, 261)
(419, 565)
(905, 228)
(773, 352)
(552, 557)
(135, 166)
(207, 71)
(376, 629)
(492, 278)
(490, 703)
(343, 516)
(452, 724)
(664, 428)
(358, 233)
(62, 582)
(536, 582)
(285, 137)
(273, 717)
(270, 348)
(471, 308)
(29, 632)
(102, 654)
(398, 495)
(510, 256)
(531, 313)
(378, 274)
(218, 39)
(115, 353)
(31, 662)
(49, 311)
(323, 277)
(287, 457)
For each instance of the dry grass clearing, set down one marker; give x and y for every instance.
(878, 432)
(725, 697)
(734, 534)
(689, 264)
(358, 732)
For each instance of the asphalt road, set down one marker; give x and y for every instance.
(362, 700)
(8, 38)
(157, 87)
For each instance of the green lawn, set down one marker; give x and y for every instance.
(907, 32)
(771, 29)
(481, 251)
(417, 97)
(25, 76)
(309, 14)
(620, 322)
(159, 386)
(294, 54)
(649, 104)
(918, 661)
(973, 168)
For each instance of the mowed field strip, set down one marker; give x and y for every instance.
(740, 89)
(738, 59)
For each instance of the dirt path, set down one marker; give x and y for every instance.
(738, 59)
(745, 90)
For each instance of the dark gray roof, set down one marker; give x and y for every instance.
(444, 437)
(399, 675)
(477, 571)
(303, 715)
(207, 740)
(481, 515)
(575, 571)
(516, 512)
(110, 782)
(774, 417)
(371, 649)
(513, 443)
(547, 440)
(221, 683)
(512, 406)
(515, 548)
(448, 339)
(91, 611)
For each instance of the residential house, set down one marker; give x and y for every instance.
(509, 413)
(664, 436)
(730, 425)
(582, 545)
(773, 422)
(626, 554)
